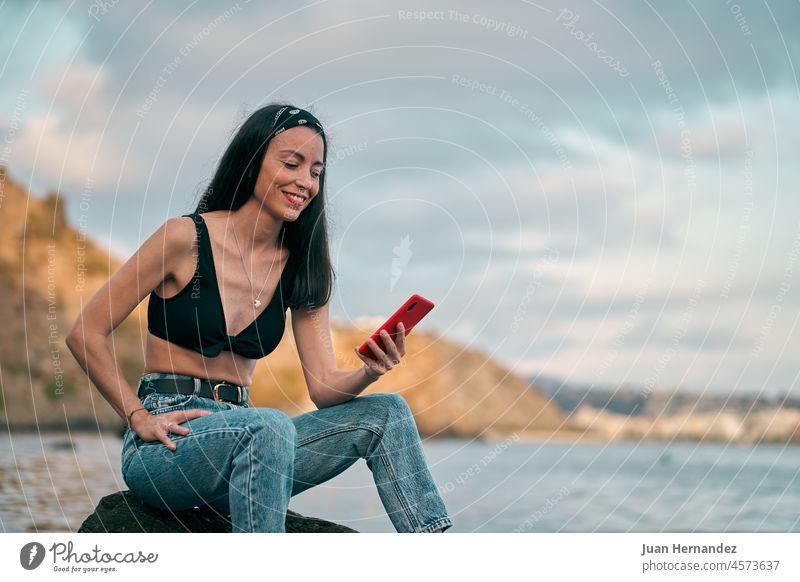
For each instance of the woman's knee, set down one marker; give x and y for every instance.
(272, 426)
(393, 404)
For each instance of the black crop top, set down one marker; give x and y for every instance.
(194, 318)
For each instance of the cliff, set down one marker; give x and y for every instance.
(48, 270)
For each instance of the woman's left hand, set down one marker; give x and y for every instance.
(383, 362)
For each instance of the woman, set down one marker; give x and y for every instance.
(193, 439)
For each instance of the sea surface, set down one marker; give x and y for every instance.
(52, 482)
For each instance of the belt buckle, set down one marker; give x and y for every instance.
(215, 391)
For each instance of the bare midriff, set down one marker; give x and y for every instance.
(164, 356)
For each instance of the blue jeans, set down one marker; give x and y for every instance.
(247, 462)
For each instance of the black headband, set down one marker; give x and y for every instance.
(288, 116)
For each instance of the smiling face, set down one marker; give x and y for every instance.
(289, 177)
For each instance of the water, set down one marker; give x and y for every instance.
(49, 483)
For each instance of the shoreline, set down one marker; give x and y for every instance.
(526, 437)
(578, 437)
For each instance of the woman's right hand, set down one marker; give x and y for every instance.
(157, 427)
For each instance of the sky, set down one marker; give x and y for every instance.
(600, 192)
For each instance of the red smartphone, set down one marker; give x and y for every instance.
(410, 314)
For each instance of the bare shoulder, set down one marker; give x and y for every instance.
(179, 233)
(179, 243)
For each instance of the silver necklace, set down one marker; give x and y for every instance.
(256, 301)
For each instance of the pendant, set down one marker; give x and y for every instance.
(257, 303)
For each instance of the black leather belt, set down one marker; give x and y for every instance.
(218, 390)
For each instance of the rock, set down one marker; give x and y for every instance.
(124, 512)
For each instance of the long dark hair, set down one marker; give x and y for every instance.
(307, 237)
